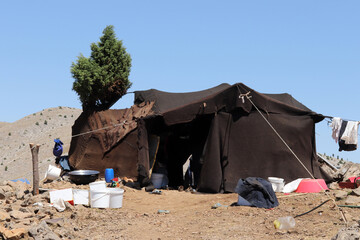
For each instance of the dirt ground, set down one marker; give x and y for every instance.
(191, 216)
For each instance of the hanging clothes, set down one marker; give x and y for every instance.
(336, 125)
(348, 136)
(350, 133)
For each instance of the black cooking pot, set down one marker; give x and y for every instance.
(83, 176)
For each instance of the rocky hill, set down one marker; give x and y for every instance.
(39, 128)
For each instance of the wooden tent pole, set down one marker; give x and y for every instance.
(35, 160)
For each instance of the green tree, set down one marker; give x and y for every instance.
(103, 78)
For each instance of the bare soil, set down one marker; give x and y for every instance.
(191, 216)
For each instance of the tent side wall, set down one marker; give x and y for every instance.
(241, 146)
(108, 139)
(122, 158)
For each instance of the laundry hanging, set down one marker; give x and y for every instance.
(336, 125)
(345, 133)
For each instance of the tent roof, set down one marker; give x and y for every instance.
(184, 107)
(166, 101)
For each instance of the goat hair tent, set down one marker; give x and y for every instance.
(220, 128)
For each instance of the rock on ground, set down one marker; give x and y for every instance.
(351, 233)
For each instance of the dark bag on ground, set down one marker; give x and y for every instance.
(256, 192)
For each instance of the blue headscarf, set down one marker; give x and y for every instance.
(58, 149)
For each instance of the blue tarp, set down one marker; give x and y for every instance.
(24, 180)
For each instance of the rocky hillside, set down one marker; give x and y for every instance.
(39, 128)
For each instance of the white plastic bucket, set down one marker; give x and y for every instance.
(277, 183)
(98, 186)
(81, 196)
(159, 180)
(116, 197)
(99, 199)
(52, 173)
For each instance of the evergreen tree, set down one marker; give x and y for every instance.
(103, 78)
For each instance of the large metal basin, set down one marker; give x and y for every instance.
(83, 176)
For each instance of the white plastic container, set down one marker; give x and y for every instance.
(99, 198)
(81, 196)
(64, 194)
(52, 173)
(98, 186)
(108, 198)
(277, 183)
(284, 223)
(159, 180)
(116, 197)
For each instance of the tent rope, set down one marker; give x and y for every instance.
(88, 132)
(99, 129)
(242, 96)
(297, 158)
(267, 121)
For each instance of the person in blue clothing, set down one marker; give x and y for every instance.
(58, 149)
(62, 160)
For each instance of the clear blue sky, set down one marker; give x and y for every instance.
(310, 49)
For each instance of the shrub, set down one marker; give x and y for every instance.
(103, 78)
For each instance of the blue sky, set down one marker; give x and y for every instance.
(309, 49)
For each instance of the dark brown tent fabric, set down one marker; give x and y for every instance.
(240, 147)
(240, 143)
(107, 139)
(220, 127)
(227, 100)
(165, 101)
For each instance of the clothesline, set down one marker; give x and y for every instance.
(329, 121)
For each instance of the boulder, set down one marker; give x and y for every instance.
(13, 234)
(4, 216)
(18, 215)
(340, 194)
(27, 200)
(352, 200)
(356, 192)
(334, 186)
(351, 233)
(12, 184)
(20, 194)
(7, 191)
(43, 231)
(56, 222)
(352, 170)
